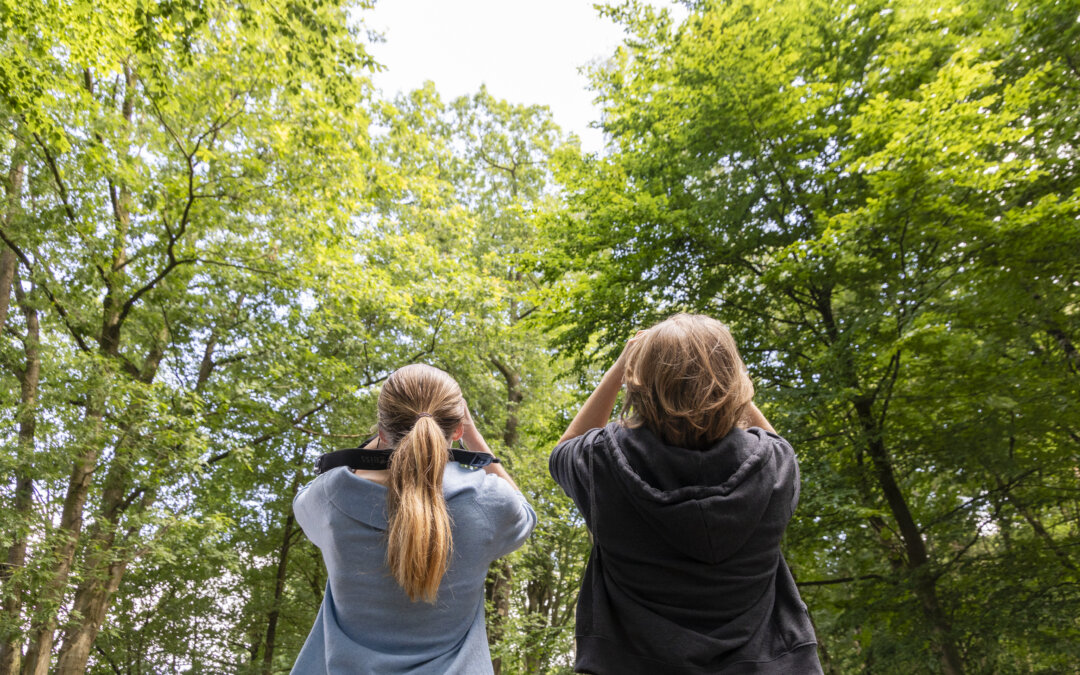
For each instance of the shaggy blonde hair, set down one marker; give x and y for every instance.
(685, 381)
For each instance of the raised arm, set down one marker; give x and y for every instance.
(473, 440)
(597, 409)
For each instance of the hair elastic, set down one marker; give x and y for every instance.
(421, 415)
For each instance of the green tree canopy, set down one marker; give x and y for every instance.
(881, 199)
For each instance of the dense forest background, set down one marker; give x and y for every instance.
(218, 239)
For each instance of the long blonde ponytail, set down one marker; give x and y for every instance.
(419, 409)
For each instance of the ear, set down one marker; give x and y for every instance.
(458, 432)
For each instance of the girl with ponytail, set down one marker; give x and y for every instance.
(407, 547)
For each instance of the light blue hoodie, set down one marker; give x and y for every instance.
(366, 623)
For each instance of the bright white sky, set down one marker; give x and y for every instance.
(525, 51)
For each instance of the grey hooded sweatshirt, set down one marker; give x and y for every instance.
(686, 574)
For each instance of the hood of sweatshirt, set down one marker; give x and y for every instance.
(709, 503)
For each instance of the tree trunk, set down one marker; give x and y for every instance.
(104, 569)
(13, 187)
(10, 644)
(106, 563)
(91, 605)
(71, 520)
(916, 558)
(914, 545)
(514, 397)
(279, 584)
(538, 594)
(104, 566)
(501, 577)
(499, 580)
(8, 261)
(29, 376)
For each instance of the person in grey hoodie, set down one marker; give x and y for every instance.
(407, 548)
(687, 497)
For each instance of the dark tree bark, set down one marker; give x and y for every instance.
(279, 583)
(13, 188)
(916, 561)
(10, 646)
(42, 631)
(514, 397)
(500, 577)
(29, 377)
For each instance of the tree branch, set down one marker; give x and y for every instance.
(271, 434)
(45, 289)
